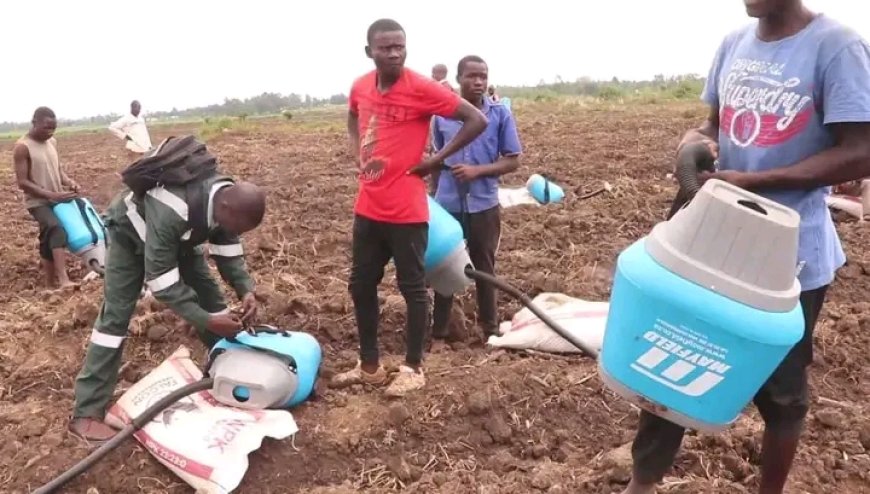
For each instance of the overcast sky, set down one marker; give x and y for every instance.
(84, 58)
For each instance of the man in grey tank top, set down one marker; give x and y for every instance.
(44, 183)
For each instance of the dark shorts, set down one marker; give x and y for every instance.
(51, 234)
(783, 402)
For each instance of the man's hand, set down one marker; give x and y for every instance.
(695, 136)
(225, 325)
(466, 173)
(61, 196)
(743, 180)
(425, 167)
(249, 307)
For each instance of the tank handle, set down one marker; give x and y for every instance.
(100, 222)
(753, 206)
(547, 180)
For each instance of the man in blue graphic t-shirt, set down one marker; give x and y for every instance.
(789, 100)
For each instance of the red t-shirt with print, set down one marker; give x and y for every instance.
(394, 130)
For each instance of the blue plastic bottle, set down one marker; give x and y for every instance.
(705, 308)
(543, 190)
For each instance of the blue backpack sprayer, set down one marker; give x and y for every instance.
(85, 232)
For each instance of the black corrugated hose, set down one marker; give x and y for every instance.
(693, 158)
(136, 424)
(527, 302)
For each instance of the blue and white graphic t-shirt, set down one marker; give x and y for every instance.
(776, 101)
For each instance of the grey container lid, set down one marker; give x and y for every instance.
(735, 243)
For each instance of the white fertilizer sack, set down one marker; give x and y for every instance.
(202, 441)
(508, 198)
(583, 319)
(846, 203)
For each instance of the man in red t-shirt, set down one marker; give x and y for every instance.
(388, 122)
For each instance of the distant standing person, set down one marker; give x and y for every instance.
(491, 94)
(468, 187)
(390, 109)
(45, 183)
(439, 73)
(132, 130)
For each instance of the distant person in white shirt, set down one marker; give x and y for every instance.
(131, 128)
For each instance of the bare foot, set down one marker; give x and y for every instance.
(67, 286)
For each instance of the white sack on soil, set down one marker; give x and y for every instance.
(508, 198)
(848, 204)
(203, 442)
(585, 320)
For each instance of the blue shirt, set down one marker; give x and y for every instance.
(498, 139)
(776, 101)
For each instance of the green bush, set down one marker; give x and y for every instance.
(610, 93)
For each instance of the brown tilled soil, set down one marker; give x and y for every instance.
(488, 422)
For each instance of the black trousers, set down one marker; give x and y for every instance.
(783, 402)
(374, 244)
(482, 233)
(51, 234)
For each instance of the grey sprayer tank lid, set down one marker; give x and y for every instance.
(735, 243)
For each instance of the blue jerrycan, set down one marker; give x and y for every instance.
(446, 256)
(543, 190)
(705, 308)
(85, 232)
(269, 368)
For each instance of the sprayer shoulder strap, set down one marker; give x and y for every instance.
(197, 208)
(83, 210)
(198, 195)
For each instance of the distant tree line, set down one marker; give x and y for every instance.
(679, 87)
(264, 104)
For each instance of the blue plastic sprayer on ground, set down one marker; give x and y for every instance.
(261, 368)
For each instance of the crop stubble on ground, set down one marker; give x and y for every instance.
(488, 421)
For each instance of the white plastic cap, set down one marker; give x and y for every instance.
(733, 242)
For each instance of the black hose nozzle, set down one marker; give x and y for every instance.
(692, 159)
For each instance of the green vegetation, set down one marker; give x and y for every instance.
(659, 89)
(307, 112)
